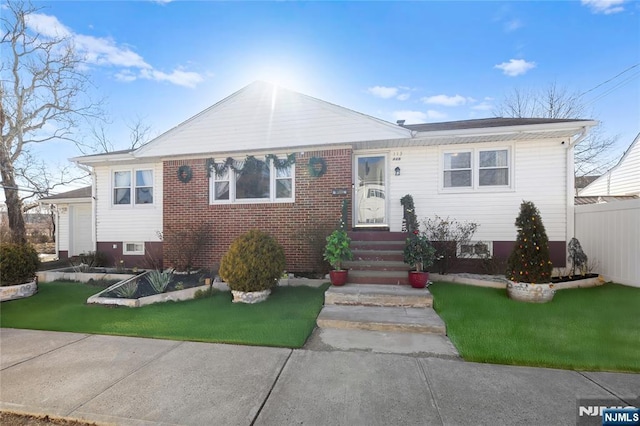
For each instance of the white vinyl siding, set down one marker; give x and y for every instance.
(131, 222)
(298, 120)
(537, 174)
(622, 179)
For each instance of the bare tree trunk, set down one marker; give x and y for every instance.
(12, 200)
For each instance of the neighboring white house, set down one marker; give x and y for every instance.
(622, 179)
(73, 222)
(475, 170)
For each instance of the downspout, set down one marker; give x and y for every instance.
(570, 184)
(94, 205)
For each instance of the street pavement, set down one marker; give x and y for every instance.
(135, 381)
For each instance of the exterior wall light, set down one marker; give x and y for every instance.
(397, 170)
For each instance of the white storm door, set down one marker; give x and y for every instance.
(370, 190)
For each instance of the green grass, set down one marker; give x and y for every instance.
(581, 329)
(286, 319)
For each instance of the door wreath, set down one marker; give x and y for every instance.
(185, 174)
(317, 166)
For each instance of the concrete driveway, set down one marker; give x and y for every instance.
(134, 381)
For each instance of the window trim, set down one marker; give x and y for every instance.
(272, 188)
(508, 167)
(475, 170)
(133, 186)
(470, 169)
(126, 252)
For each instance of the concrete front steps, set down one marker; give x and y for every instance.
(382, 318)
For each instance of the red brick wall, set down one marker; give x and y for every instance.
(300, 227)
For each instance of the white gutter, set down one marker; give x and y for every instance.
(570, 184)
(504, 130)
(94, 206)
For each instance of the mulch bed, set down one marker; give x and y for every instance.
(14, 419)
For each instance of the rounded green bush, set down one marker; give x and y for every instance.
(18, 263)
(254, 262)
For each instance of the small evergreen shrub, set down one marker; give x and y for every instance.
(18, 263)
(530, 261)
(254, 262)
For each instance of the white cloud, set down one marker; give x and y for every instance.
(515, 67)
(436, 115)
(513, 25)
(445, 100)
(606, 7)
(106, 52)
(483, 106)
(48, 26)
(410, 117)
(385, 92)
(177, 77)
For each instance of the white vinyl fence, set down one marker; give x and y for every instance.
(610, 235)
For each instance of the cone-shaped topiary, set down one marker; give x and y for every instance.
(529, 261)
(254, 262)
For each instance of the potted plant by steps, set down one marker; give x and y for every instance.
(529, 266)
(419, 252)
(337, 251)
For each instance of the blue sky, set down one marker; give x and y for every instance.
(419, 61)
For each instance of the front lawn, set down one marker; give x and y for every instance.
(286, 319)
(583, 329)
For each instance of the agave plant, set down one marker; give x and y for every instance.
(127, 290)
(159, 280)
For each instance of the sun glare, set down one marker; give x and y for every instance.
(287, 77)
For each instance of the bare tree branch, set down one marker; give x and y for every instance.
(43, 97)
(592, 154)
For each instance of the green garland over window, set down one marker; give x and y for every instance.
(317, 166)
(238, 165)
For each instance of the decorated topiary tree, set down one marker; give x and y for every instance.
(529, 261)
(254, 262)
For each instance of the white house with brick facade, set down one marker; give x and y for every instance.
(269, 158)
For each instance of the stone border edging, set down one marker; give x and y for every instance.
(20, 291)
(459, 279)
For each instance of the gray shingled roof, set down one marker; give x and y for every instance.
(482, 123)
(76, 193)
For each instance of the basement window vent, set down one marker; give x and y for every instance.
(133, 248)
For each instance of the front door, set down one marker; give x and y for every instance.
(371, 191)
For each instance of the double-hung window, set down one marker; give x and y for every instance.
(136, 182)
(493, 168)
(259, 181)
(457, 170)
(472, 169)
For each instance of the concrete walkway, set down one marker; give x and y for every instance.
(134, 381)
